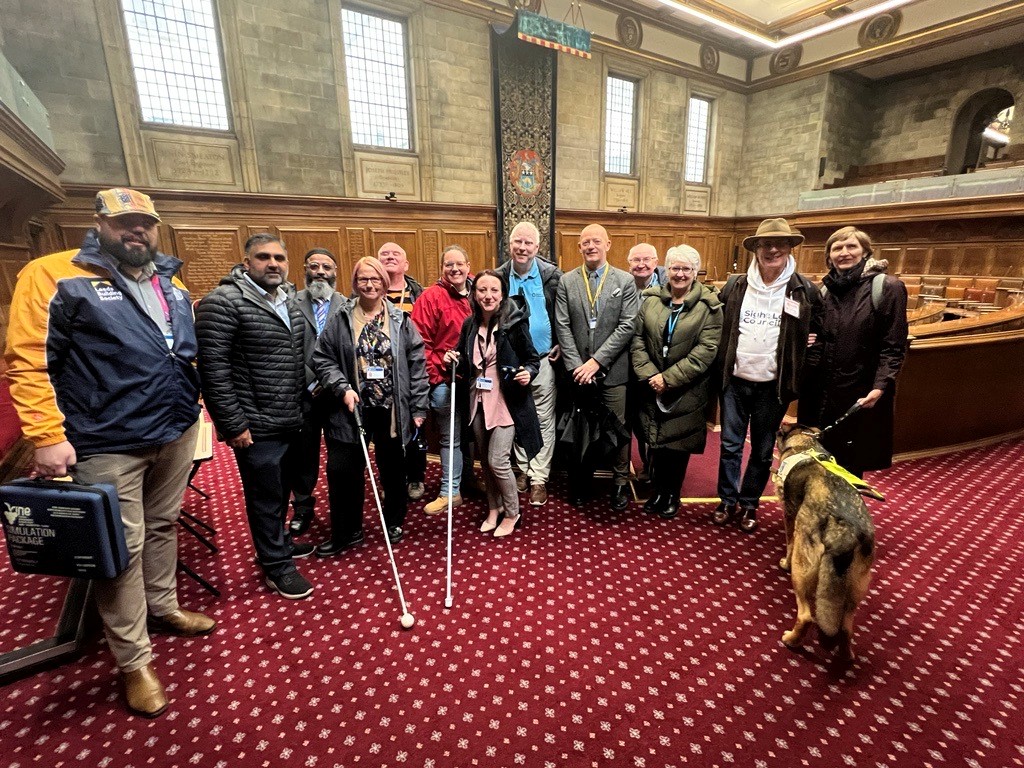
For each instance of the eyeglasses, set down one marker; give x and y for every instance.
(681, 270)
(369, 281)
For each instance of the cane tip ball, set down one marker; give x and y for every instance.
(407, 621)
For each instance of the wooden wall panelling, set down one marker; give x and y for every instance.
(208, 253)
(914, 261)
(479, 244)
(72, 235)
(893, 256)
(943, 260)
(429, 264)
(300, 241)
(569, 250)
(1008, 260)
(989, 366)
(618, 256)
(976, 259)
(13, 257)
(409, 240)
(661, 243)
(356, 244)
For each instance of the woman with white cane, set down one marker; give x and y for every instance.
(497, 360)
(369, 354)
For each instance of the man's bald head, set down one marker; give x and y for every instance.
(594, 246)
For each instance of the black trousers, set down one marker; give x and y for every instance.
(304, 463)
(346, 484)
(415, 463)
(263, 467)
(668, 470)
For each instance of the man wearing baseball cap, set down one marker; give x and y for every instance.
(100, 351)
(771, 313)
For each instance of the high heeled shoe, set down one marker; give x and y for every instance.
(489, 525)
(508, 526)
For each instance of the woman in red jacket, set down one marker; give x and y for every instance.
(438, 315)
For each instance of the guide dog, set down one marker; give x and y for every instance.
(830, 539)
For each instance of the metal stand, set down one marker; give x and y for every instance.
(65, 644)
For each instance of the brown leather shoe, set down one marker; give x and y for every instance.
(143, 692)
(538, 495)
(522, 482)
(182, 623)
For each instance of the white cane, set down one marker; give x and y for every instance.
(451, 489)
(407, 619)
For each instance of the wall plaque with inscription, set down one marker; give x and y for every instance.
(621, 193)
(697, 200)
(192, 163)
(209, 254)
(381, 175)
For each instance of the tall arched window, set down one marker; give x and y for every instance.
(980, 131)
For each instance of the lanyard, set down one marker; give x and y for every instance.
(482, 345)
(592, 298)
(670, 328)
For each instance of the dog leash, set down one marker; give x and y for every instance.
(853, 409)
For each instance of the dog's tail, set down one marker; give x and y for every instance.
(838, 583)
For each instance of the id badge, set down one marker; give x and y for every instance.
(792, 308)
(593, 323)
(485, 383)
(374, 373)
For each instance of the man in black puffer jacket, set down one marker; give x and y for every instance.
(252, 368)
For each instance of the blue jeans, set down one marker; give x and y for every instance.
(753, 404)
(441, 405)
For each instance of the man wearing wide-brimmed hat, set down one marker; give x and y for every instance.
(770, 313)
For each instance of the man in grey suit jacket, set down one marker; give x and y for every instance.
(318, 302)
(595, 307)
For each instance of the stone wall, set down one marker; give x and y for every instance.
(286, 52)
(663, 137)
(56, 48)
(914, 116)
(458, 107)
(846, 127)
(781, 145)
(727, 152)
(578, 159)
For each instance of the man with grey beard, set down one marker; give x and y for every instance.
(100, 352)
(318, 302)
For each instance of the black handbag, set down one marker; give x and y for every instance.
(62, 528)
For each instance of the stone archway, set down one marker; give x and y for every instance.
(966, 138)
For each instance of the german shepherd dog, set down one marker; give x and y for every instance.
(830, 542)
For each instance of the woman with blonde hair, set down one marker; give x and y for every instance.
(370, 356)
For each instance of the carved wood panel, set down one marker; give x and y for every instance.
(300, 241)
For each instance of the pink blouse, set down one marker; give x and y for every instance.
(485, 359)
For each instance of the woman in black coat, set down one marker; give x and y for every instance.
(369, 356)
(862, 346)
(496, 363)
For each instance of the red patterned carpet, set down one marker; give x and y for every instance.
(587, 639)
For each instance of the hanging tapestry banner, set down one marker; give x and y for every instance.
(523, 80)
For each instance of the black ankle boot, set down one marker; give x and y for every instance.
(670, 508)
(654, 504)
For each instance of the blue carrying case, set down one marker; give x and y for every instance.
(63, 528)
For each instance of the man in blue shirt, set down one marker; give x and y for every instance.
(536, 280)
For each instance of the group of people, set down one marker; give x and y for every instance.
(106, 365)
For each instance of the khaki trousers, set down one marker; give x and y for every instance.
(543, 387)
(150, 484)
